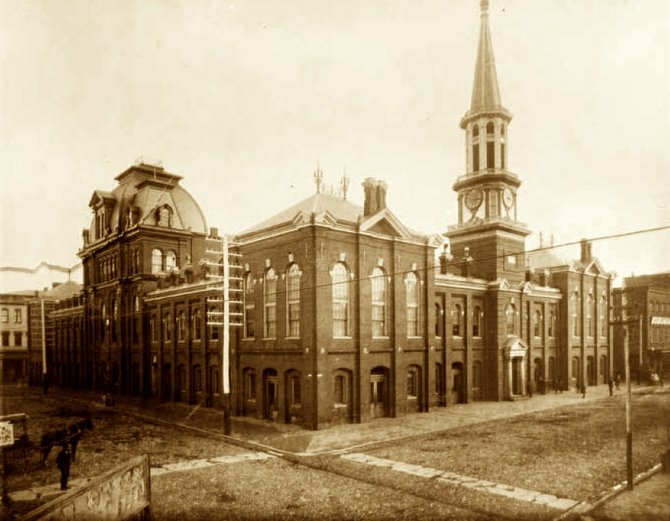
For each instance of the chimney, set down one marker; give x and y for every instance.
(375, 196)
(214, 233)
(445, 257)
(585, 251)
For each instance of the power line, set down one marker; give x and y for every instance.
(452, 263)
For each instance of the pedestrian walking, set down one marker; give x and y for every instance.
(554, 383)
(63, 463)
(610, 384)
(74, 441)
(583, 390)
(617, 380)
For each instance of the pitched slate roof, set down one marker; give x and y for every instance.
(339, 208)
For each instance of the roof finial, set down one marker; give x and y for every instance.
(484, 5)
(318, 177)
(344, 184)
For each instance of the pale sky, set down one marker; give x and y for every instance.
(243, 98)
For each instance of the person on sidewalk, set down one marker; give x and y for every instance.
(63, 463)
(617, 380)
(610, 384)
(583, 390)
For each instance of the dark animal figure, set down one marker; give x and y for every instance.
(70, 434)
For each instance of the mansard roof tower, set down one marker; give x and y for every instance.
(487, 193)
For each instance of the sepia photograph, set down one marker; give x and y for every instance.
(357, 260)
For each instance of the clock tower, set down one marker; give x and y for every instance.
(487, 193)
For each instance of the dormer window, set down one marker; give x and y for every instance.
(164, 216)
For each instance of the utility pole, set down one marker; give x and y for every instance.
(629, 434)
(221, 317)
(620, 320)
(45, 375)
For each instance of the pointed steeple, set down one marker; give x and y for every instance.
(485, 91)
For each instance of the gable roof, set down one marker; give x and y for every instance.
(319, 203)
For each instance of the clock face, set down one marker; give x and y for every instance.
(508, 198)
(473, 199)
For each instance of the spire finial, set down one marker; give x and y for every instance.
(318, 177)
(484, 6)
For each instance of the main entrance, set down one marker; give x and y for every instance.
(379, 392)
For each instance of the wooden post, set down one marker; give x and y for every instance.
(629, 434)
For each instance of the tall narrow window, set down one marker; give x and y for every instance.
(457, 320)
(502, 156)
(379, 293)
(551, 327)
(249, 306)
(270, 304)
(181, 326)
(152, 328)
(477, 321)
(293, 300)
(340, 390)
(340, 300)
(17, 316)
(115, 317)
(537, 324)
(412, 300)
(475, 157)
(438, 319)
(475, 130)
(167, 327)
(490, 155)
(156, 261)
(196, 324)
(213, 315)
(412, 382)
(603, 316)
(5, 315)
(591, 315)
(170, 260)
(576, 306)
(295, 397)
(510, 319)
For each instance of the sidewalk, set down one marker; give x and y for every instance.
(649, 500)
(338, 438)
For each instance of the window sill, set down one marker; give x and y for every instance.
(291, 338)
(269, 338)
(385, 337)
(341, 406)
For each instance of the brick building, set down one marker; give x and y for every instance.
(645, 302)
(42, 326)
(345, 314)
(14, 336)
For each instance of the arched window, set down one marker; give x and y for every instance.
(475, 130)
(170, 260)
(181, 326)
(293, 300)
(156, 261)
(412, 300)
(340, 277)
(576, 307)
(270, 304)
(248, 306)
(477, 317)
(510, 319)
(196, 324)
(457, 320)
(537, 324)
(490, 128)
(379, 295)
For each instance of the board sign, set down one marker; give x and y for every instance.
(6, 434)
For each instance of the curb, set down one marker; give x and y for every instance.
(584, 507)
